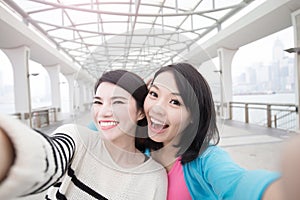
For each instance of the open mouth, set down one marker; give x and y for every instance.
(108, 124)
(158, 126)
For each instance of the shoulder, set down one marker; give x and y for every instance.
(212, 154)
(152, 165)
(156, 171)
(80, 134)
(213, 160)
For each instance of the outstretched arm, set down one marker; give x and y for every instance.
(291, 169)
(287, 187)
(31, 161)
(6, 154)
(274, 191)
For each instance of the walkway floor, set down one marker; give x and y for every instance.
(250, 146)
(253, 146)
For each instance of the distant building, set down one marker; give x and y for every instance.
(277, 76)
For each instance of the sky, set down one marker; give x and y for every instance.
(261, 50)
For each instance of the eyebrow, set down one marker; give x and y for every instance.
(115, 97)
(174, 93)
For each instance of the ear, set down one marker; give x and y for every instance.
(141, 115)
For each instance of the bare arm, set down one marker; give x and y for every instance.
(291, 169)
(274, 191)
(6, 154)
(287, 187)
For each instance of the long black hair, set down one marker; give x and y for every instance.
(197, 97)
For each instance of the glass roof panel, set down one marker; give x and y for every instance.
(154, 2)
(218, 14)
(79, 17)
(174, 21)
(115, 28)
(47, 17)
(111, 7)
(148, 20)
(190, 35)
(188, 5)
(62, 33)
(31, 6)
(205, 5)
(146, 9)
(139, 26)
(93, 41)
(47, 27)
(71, 45)
(226, 3)
(201, 22)
(87, 28)
(167, 10)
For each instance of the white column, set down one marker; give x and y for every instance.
(296, 25)
(71, 82)
(82, 96)
(19, 58)
(210, 72)
(91, 92)
(53, 71)
(88, 94)
(225, 57)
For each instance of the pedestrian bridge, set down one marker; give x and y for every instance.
(142, 38)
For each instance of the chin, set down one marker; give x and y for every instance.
(155, 137)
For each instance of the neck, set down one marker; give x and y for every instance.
(125, 156)
(166, 156)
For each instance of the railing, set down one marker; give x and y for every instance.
(43, 117)
(16, 115)
(40, 117)
(282, 116)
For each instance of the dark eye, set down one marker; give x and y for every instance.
(151, 93)
(97, 102)
(175, 102)
(118, 102)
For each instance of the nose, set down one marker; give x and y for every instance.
(158, 109)
(106, 110)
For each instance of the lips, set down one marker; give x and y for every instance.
(105, 125)
(158, 126)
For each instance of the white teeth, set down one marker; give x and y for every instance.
(155, 121)
(108, 123)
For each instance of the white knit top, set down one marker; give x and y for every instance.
(74, 164)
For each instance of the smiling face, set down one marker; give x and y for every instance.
(115, 112)
(166, 113)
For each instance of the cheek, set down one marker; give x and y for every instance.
(147, 105)
(94, 114)
(94, 111)
(123, 112)
(185, 121)
(181, 120)
(132, 115)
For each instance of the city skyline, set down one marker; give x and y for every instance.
(261, 50)
(273, 73)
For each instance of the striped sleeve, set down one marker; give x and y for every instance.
(40, 160)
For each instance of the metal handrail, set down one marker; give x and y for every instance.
(278, 115)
